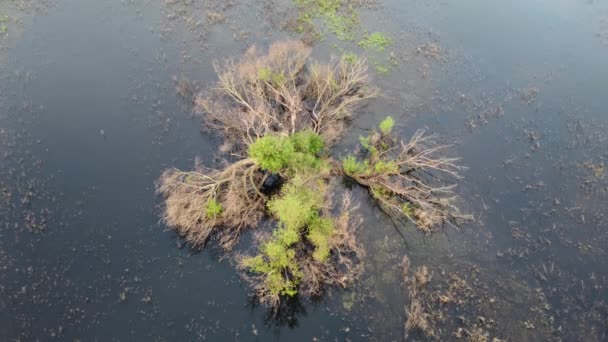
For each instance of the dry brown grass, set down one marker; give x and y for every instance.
(418, 316)
(282, 92)
(236, 189)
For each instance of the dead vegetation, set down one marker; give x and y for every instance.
(450, 308)
(283, 92)
(191, 195)
(408, 178)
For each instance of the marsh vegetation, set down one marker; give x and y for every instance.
(279, 113)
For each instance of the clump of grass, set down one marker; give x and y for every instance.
(377, 41)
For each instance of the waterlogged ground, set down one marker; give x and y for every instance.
(89, 118)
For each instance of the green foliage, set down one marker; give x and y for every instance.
(265, 74)
(308, 142)
(381, 69)
(275, 260)
(272, 153)
(407, 209)
(332, 12)
(367, 144)
(213, 209)
(380, 192)
(376, 41)
(350, 57)
(297, 153)
(386, 167)
(386, 126)
(320, 232)
(352, 166)
(275, 78)
(3, 20)
(296, 208)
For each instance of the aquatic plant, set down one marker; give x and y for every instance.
(377, 41)
(280, 130)
(338, 15)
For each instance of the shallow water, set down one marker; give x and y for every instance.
(89, 118)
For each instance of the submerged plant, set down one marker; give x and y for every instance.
(280, 128)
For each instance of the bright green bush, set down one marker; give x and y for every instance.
(296, 209)
(272, 153)
(297, 205)
(213, 209)
(296, 153)
(308, 142)
(352, 166)
(320, 231)
(386, 126)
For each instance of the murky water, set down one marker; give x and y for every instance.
(89, 118)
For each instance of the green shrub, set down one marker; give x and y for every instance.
(352, 166)
(297, 205)
(386, 167)
(213, 209)
(296, 208)
(308, 142)
(320, 232)
(366, 142)
(407, 209)
(272, 153)
(386, 126)
(298, 153)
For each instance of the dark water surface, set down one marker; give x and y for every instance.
(89, 118)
